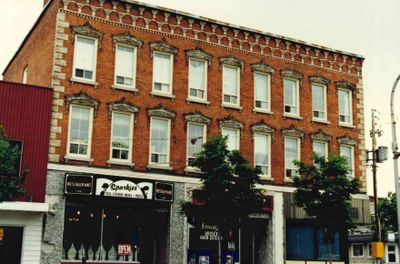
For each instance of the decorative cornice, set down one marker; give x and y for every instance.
(127, 39)
(161, 111)
(163, 46)
(345, 85)
(197, 117)
(82, 99)
(319, 79)
(232, 61)
(199, 54)
(292, 132)
(321, 136)
(347, 141)
(262, 127)
(262, 67)
(123, 106)
(230, 122)
(89, 31)
(289, 73)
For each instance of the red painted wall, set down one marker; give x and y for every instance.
(25, 112)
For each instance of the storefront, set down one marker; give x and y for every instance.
(113, 219)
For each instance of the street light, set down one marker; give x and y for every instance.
(396, 155)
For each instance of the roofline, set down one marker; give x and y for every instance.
(27, 85)
(244, 28)
(28, 35)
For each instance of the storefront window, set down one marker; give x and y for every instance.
(114, 234)
(10, 244)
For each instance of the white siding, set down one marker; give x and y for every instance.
(32, 234)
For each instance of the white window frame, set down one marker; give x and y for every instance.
(260, 109)
(204, 137)
(130, 152)
(171, 61)
(395, 252)
(80, 79)
(349, 92)
(195, 98)
(268, 135)
(298, 140)
(154, 164)
(290, 114)
(326, 147)
(75, 156)
(123, 86)
(352, 250)
(25, 75)
(324, 88)
(352, 158)
(228, 104)
(237, 131)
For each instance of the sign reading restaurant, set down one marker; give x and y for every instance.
(118, 187)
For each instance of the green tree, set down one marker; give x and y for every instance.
(324, 191)
(10, 179)
(228, 187)
(388, 212)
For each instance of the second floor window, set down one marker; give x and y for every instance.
(292, 153)
(80, 130)
(162, 73)
(345, 111)
(348, 153)
(197, 79)
(121, 137)
(195, 139)
(319, 102)
(85, 58)
(159, 141)
(261, 153)
(125, 64)
(233, 138)
(231, 86)
(291, 96)
(261, 91)
(320, 148)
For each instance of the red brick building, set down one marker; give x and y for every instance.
(25, 112)
(138, 88)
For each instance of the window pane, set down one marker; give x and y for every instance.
(159, 140)
(290, 91)
(84, 53)
(195, 139)
(124, 63)
(347, 153)
(121, 129)
(261, 152)
(230, 78)
(196, 77)
(344, 106)
(319, 148)
(233, 139)
(79, 130)
(162, 70)
(261, 89)
(291, 154)
(318, 101)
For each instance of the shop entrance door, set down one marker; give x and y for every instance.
(10, 244)
(254, 242)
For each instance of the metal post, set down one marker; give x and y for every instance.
(395, 155)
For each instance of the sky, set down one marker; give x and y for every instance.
(366, 27)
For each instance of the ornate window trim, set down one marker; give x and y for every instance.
(198, 54)
(122, 106)
(89, 31)
(230, 122)
(262, 128)
(321, 136)
(162, 46)
(345, 85)
(319, 80)
(347, 141)
(262, 67)
(197, 117)
(232, 61)
(292, 132)
(82, 99)
(288, 73)
(127, 39)
(161, 111)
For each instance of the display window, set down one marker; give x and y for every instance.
(10, 244)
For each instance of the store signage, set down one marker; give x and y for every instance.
(210, 232)
(124, 249)
(124, 189)
(79, 184)
(164, 192)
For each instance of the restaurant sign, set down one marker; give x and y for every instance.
(164, 192)
(124, 188)
(79, 184)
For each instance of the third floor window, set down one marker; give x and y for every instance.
(319, 102)
(197, 79)
(85, 58)
(262, 92)
(345, 111)
(291, 96)
(162, 73)
(231, 86)
(125, 66)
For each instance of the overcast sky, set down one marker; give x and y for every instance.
(367, 27)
